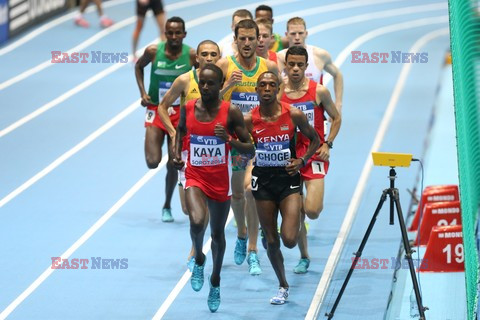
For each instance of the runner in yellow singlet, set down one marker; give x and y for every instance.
(242, 72)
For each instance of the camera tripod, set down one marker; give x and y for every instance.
(393, 193)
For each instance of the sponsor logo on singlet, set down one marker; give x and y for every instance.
(308, 108)
(245, 101)
(163, 87)
(207, 151)
(272, 153)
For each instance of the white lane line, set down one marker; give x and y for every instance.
(332, 261)
(316, 10)
(111, 69)
(71, 15)
(91, 231)
(27, 184)
(99, 35)
(184, 279)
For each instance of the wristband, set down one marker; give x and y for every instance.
(303, 161)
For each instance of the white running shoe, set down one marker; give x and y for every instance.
(281, 297)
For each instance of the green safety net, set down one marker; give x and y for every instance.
(465, 49)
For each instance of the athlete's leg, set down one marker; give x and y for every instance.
(314, 204)
(267, 214)
(171, 178)
(161, 19)
(181, 194)
(238, 202)
(252, 225)
(83, 5)
(197, 207)
(136, 33)
(218, 218)
(314, 198)
(79, 19)
(238, 207)
(302, 238)
(290, 210)
(153, 146)
(98, 3)
(250, 211)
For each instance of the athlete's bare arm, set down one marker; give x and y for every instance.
(147, 57)
(332, 69)
(236, 125)
(230, 82)
(324, 97)
(248, 122)
(300, 120)
(178, 88)
(281, 60)
(181, 132)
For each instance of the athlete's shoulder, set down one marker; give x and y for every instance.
(320, 52)
(222, 62)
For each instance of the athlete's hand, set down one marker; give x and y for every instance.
(221, 132)
(235, 78)
(294, 166)
(178, 163)
(171, 111)
(323, 153)
(146, 100)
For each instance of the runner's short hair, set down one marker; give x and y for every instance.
(296, 20)
(207, 42)
(214, 68)
(246, 24)
(297, 51)
(176, 19)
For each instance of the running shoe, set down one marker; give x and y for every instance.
(80, 21)
(213, 297)
(281, 297)
(302, 266)
(167, 215)
(240, 252)
(254, 264)
(191, 263)
(106, 22)
(264, 239)
(197, 276)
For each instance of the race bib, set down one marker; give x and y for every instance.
(207, 151)
(308, 108)
(150, 116)
(272, 154)
(254, 183)
(318, 167)
(245, 101)
(163, 87)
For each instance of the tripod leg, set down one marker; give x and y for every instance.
(408, 251)
(358, 254)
